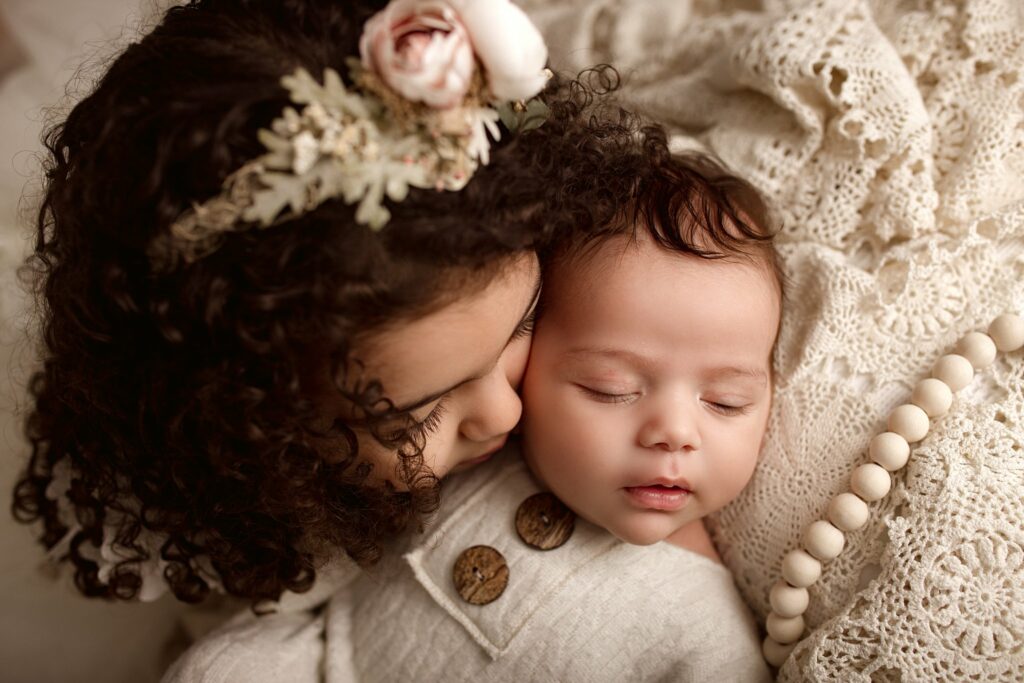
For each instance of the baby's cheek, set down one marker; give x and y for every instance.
(554, 432)
(535, 383)
(738, 470)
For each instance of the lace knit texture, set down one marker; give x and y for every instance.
(890, 137)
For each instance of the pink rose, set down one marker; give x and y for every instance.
(508, 45)
(421, 49)
(426, 50)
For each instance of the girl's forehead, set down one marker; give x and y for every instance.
(458, 341)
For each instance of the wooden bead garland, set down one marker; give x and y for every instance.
(870, 482)
(933, 396)
(785, 630)
(848, 512)
(1007, 331)
(889, 451)
(800, 569)
(788, 601)
(909, 421)
(978, 348)
(955, 370)
(823, 540)
(776, 653)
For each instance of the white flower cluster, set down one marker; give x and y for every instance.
(348, 145)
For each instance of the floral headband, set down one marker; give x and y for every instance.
(434, 77)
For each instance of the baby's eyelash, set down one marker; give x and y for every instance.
(605, 397)
(727, 409)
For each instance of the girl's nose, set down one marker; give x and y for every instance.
(494, 408)
(494, 405)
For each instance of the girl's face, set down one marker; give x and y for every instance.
(649, 386)
(456, 371)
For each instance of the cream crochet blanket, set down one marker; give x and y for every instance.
(890, 136)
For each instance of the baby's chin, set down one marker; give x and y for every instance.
(644, 532)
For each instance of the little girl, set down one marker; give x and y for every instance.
(285, 264)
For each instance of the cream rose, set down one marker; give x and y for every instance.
(422, 51)
(426, 50)
(508, 45)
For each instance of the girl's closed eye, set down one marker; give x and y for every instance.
(525, 328)
(432, 421)
(394, 432)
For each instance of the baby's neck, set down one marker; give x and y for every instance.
(694, 537)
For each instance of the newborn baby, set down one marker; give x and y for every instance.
(646, 398)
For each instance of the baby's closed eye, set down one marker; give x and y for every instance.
(607, 394)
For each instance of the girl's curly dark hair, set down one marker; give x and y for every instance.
(176, 398)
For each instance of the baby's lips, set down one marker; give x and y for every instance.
(666, 482)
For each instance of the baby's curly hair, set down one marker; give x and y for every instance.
(173, 402)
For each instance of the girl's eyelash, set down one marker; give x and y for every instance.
(526, 327)
(432, 421)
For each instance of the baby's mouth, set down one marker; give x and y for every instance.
(667, 497)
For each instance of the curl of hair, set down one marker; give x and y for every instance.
(176, 398)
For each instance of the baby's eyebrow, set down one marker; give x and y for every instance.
(758, 375)
(725, 372)
(629, 357)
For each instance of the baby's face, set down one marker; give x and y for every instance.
(649, 385)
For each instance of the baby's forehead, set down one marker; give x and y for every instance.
(636, 292)
(592, 264)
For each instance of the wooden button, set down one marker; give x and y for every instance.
(480, 574)
(543, 521)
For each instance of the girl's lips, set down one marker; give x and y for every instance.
(477, 460)
(657, 497)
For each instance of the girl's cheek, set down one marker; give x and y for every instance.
(514, 361)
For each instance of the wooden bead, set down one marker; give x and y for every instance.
(910, 422)
(1007, 332)
(800, 569)
(848, 512)
(933, 396)
(870, 482)
(978, 348)
(889, 450)
(824, 541)
(788, 601)
(775, 653)
(784, 629)
(955, 370)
